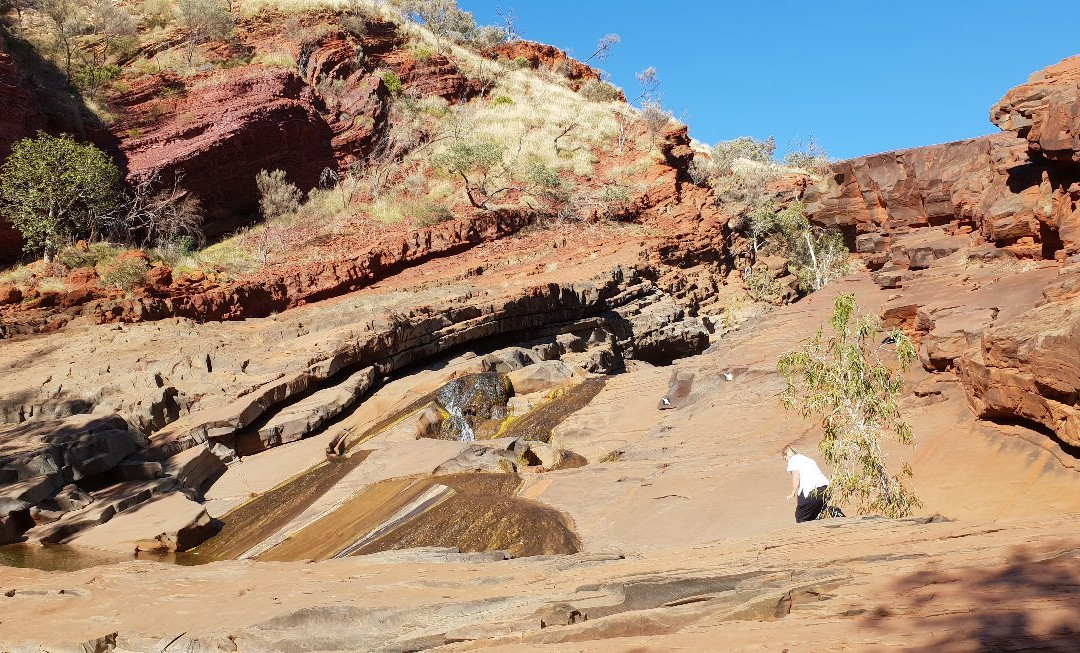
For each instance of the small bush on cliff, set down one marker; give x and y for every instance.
(55, 190)
(595, 90)
(843, 380)
(393, 82)
(277, 196)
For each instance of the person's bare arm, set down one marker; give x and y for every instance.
(794, 484)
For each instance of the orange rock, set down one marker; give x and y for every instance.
(10, 294)
(159, 277)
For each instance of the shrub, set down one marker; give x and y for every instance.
(393, 83)
(810, 157)
(203, 20)
(477, 163)
(157, 13)
(843, 380)
(125, 273)
(762, 286)
(725, 153)
(422, 52)
(656, 117)
(54, 189)
(277, 197)
(522, 62)
(500, 100)
(73, 258)
(275, 60)
(595, 90)
(429, 213)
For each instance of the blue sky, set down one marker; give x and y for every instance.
(860, 76)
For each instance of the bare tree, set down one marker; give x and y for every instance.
(509, 26)
(203, 20)
(108, 19)
(656, 117)
(603, 48)
(649, 81)
(66, 19)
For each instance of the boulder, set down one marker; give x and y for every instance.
(194, 467)
(506, 361)
(159, 278)
(1028, 368)
(494, 457)
(71, 497)
(542, 376)
(10, 294)
(15, 520)
(76, 447)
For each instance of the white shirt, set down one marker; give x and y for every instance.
(810, 476)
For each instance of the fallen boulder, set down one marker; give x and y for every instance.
(542, 376)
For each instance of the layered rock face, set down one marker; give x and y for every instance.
(19, 119)
(541, 55)
(1017, 190)
(214, 140)
(930, 219)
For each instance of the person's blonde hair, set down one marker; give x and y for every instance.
(786, 449)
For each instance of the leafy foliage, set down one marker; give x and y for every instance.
(443, 17)
(478, 164)
(54, 190)
(815, 255)
(843, 380)
(393, 83)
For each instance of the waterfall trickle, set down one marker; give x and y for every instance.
(468, 398)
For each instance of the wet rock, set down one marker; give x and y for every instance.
(429, 423)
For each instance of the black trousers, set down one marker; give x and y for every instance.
(809, 507)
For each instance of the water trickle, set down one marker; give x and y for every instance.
(471, 397)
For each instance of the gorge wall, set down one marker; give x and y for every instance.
(1013, 196)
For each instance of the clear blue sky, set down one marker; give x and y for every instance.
(861, 76)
